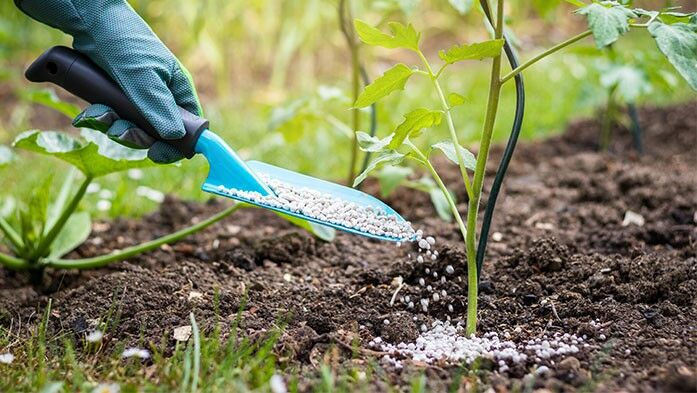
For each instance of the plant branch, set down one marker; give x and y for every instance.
(47, 240)
(103, 260)
(451, 125)
(12, 236)
(544, 54)
(14, 263)
(451, 203)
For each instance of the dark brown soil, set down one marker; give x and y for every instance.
(563, 263)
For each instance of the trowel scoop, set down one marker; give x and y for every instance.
(229, 175)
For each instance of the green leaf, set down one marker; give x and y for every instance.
(629, 82)
(76, 230)
(577, 3)
(455, 99)
(6, 155)
(321, 231)
(372, 144)
(441, 204)
(476, 51)
(678, 17)
(439, 201)
(678, 42)
(48, 98)
(393, 79)
(383, 158)
(608, 21)
(448, 149)
(402, 36)
(96, 156)
(413, 123)
(390, 177)
(462, 6)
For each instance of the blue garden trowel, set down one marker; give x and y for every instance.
(78, 75)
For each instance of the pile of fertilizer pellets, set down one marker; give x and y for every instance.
(325, 207)
(443, 342)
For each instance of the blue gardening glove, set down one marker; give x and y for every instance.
(112, 35)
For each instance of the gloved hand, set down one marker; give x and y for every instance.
(112, 35)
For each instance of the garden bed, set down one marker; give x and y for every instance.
(561, 261)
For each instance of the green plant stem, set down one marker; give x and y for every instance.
(544, 54)
(345, 22)
(480, 170)
(47, 240)
(451, 125)
(12, 236)
(14, 263)
(103, 260)
(451, 202)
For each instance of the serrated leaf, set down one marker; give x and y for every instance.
(448, 149)
(393, 79)
(48, 98)
(372, 144)
(413, 123)
(76, 230)
(462, 6)
(678, 42)
(455, 99)
(476, 51)
(607, 21)
(96, 156)
(390, 177)
(6, 155)
(321, 231)
(402, 36)
(383, 158)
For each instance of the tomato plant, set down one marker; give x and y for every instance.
(675, 35)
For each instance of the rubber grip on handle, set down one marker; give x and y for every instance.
(77, 74)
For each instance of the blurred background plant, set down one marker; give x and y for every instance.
(276, 79)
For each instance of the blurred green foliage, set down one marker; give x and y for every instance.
(275, 76)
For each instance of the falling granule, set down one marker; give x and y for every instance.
(325, 207)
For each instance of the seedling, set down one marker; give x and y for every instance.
(39, 232)
(674, 34)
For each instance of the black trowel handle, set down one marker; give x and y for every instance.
(77, 74)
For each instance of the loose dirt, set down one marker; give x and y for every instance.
(562, 263)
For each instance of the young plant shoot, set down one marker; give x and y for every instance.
(675, 36)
